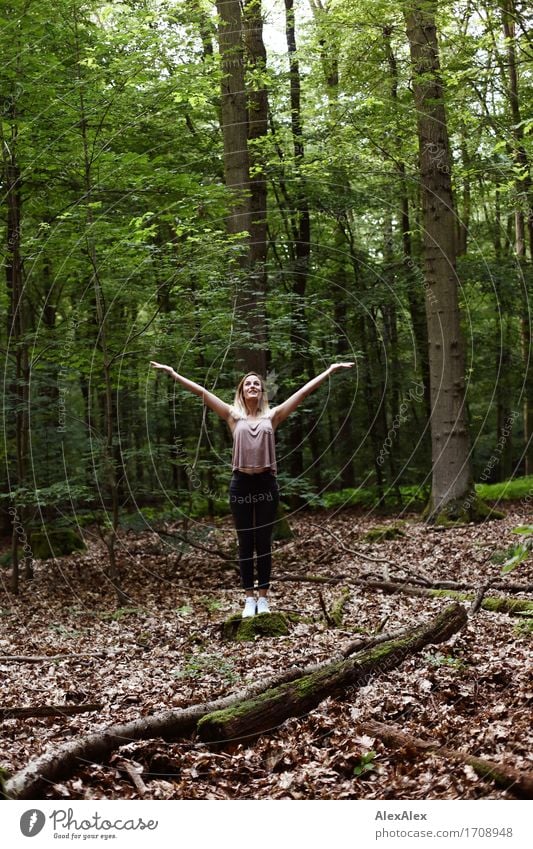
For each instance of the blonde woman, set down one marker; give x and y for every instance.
(253, 491)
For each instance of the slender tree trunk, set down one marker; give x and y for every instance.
(101, 317)
(415, 295)
(452, 480)
(343, 434)
(256, 60)
(301, 230)
(523, 221)
(17, 328)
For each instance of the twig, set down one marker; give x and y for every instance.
(480, 594)
(217, 552)
(357, 552)
(125, 766)
(327, 617)
(47, 710)
(20, 658)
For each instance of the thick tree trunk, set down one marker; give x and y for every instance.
(252, 718)
(452, 492)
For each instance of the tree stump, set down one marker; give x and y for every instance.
(263, 625)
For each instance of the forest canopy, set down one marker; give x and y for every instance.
(172, 189)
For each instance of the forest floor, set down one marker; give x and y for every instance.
(165, 651)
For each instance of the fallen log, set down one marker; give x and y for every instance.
(62, 761)
(47, 710)
(512, 606)
(519, 784)
(251, 718)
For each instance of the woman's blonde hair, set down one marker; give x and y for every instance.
(239, 404)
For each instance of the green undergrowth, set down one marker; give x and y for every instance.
(511, 490)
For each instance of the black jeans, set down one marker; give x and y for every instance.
(253, 502)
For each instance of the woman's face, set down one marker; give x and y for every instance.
(252, 388)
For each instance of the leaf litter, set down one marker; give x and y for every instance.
(165, 651)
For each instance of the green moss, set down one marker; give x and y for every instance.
(512, 489)
(337, 609)
(461, 511)
(383, 532)
(55, 543)
(495, 605)
(264, 625)
(282, 529)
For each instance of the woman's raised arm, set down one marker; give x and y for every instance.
(287, 407)
(212, 401)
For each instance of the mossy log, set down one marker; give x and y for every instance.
(62, 761)
(512, 606)
(519, 784)
(264, 625)
(250, 718)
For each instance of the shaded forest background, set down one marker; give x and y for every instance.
(140, 219)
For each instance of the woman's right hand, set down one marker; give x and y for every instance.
(162, 367)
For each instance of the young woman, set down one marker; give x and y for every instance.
(254, 494)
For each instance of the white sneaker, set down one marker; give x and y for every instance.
(262, 605)
(249, 607)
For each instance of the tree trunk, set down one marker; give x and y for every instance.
(296, 698)
(301, 250)
(101, 317)
(523, 222)
(256, 60)
(453, 493)
(17, 328)
(249, 317)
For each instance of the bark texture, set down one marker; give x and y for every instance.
(452, 481)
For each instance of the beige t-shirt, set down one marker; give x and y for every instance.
(253, 443)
